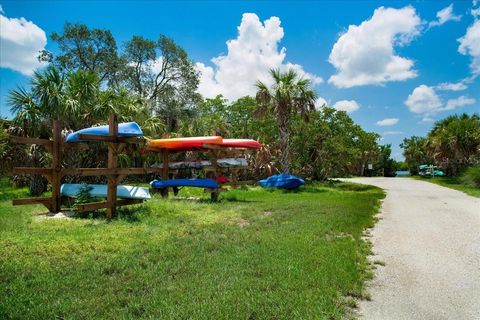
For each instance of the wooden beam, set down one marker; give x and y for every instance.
(105, 204)
(112, 164)
(165, 162)
(84, 172)
(47, 202)
(74, 146)
(32, 170)
(56, 166)
(26, 140)
(110, 138)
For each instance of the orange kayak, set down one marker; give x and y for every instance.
(184, 143)
(241, 143)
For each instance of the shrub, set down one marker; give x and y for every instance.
(471, 176)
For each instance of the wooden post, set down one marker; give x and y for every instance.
(112, 164)
(165, 161)
(56, 175)
(215, 193)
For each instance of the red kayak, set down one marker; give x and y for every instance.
(241, 143)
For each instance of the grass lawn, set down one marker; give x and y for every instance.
(453, 183)
(255, 255)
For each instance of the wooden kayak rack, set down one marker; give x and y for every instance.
(56, 172)
(213, 171)
(57, 146)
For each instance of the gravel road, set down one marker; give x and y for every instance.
(429, 239)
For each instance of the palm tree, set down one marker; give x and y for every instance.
(289, 95)
(455, 141)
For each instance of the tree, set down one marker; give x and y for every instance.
(385, 164)
(161, 72)
(415, 153)
(455, 142)
(92, 50)
(288, 96)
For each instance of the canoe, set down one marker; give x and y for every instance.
(232, 163)
(222, 163)
(126, 129)
(282, 181)
(241, 143)
(200, 183)
(100, 191)
(183, 143)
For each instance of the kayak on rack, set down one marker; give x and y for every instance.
(184, 143)
(222, 163)
(241, 143)
(126, 129)
(199, 183)
(100, 191)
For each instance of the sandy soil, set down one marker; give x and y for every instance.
(429, 239)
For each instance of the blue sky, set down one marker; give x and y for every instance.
(403, 64)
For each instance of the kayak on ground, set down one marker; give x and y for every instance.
(126, 129)
(282, 181)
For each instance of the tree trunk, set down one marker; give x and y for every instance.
(284, 135)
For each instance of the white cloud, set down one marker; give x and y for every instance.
(1, 9)
(388, 122)
(346, 105)
(470, 45)
(320, 102)
(20, 43)
(423, 99)
(249, 58)
(452, 86)
(459, 102)
(444, 15)
(365, 54)
(391, 133)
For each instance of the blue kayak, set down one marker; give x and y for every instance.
(282, 181)
(126, 129)
(200, 183)
(100, 191)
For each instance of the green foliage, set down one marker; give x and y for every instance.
(153, 83)
(415, 153)
(288, 96)
(92, 50)
(83, 196)
(471, 176)
(292, 255)
(386, 165)
(453, 143)
(330, 144)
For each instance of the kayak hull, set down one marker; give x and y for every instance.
(100, 191)
(222, 163)
(241, 143)
(126, 129)
(183, 143)
(282, 181)
(199, 183)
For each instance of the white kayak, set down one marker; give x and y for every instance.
(100, 191)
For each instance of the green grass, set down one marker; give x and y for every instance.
(257, 254)
(454, 183)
